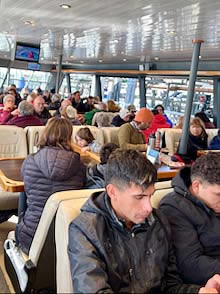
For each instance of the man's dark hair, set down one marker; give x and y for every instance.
(129, 166)
(106, 151)
(207, 168)
(76, 92)
(202, 116)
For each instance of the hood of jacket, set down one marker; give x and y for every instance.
(181, 184)
(56, 163)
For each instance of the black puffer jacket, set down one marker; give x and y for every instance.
(106, 257)
(95, 176)
(195, 231)
(48, 171)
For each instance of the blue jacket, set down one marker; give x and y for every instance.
(215, 143)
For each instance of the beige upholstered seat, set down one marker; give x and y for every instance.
(110, 135)
(97, 133)
(12, 144)
(108, 118)
(158, 195)
(33, 134)
(74, 199)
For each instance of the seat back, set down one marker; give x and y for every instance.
(158, 195)
(33, 134)
(101, 118)
(97, 133)
(68, 210)
(211, 133)
(172, 138)
(110, 134)
(13, 142)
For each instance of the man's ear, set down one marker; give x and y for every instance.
(111, 190)
(195, 187)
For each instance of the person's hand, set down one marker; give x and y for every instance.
(15, 112)
(212, 285)
(84, 149)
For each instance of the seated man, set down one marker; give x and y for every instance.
(40, 111)
(118, 243)
(25, 117)
(122, 118)
(193, 210)
(130, 135)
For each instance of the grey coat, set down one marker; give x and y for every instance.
(106, 257)
(48, 171)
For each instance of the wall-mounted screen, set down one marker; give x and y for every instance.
(27, 52)
(33, 66)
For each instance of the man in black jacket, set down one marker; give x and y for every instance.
(119, 243)
(193, 210)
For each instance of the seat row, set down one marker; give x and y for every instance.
(18, 142)
(48, 264)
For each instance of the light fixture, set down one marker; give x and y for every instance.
(71, 56)
(100, 60)
(81, 61)
(200, 57)
(5, 32)
(29, 23)
(65, 6)
(171, 33)
(156, 58)
(124, 59)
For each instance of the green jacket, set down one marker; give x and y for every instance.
(89, 116)
(131, 138)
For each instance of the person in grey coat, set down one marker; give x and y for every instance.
(55, 167)
(193, 210)
(118, 243)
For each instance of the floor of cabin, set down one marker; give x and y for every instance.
(5, 228)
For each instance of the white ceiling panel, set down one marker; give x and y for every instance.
(111, 30)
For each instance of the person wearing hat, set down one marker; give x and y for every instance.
(122, 118)
(130, 134)
(70, 113)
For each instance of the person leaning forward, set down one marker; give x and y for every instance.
(130, 134)
(193, 210)
(118, 243)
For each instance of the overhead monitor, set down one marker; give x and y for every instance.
(33, 66)
(27, 52)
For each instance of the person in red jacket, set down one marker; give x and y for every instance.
(159, 121)
(8, 110)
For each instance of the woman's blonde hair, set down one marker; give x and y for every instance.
(58, 133)
(199, 123)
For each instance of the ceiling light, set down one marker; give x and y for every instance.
(29, 23)
(200, 57)
(124, 59)
(71, 56)
(156, 58)
(65, 6)
(171, 33)
(42, 58)
(81, 61)
(5, 32)
(100, 60)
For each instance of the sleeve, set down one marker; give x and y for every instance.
(124, 135)
(88, 270)
(194, 265)
(6, 117)
(95, 147)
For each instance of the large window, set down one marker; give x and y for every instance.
(3, 71)
(82, 83)
(29, 78)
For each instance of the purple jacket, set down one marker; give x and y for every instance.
(25, 121)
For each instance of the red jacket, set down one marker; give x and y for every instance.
(159, 121)
(5, 115)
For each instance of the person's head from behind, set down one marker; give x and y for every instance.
(69, 112)
(76, 96)
(25, 108)
(55, 98)
(31, 97)
(106, 151)
(197, 127)
(125, 114)
(205, 180)
(143, 118)
(202, 116)
(159, 108)
(129, 178)
(9, 102)
(65, 103)
(84, 137)
(180, 122)
(39, 104)
(58, 133)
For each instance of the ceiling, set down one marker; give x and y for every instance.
(111, 31)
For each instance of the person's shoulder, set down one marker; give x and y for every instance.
(126, 126)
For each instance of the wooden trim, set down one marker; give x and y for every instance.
(92, 155)
(10, 185)
(167, 174)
